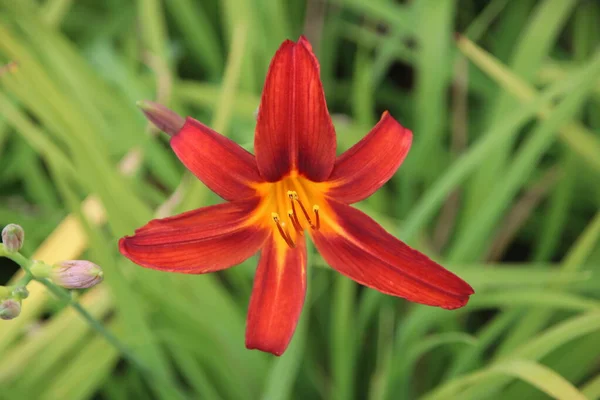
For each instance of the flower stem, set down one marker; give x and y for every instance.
(65, 295)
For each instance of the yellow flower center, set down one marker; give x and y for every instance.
(290, 206)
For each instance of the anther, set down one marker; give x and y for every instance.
(292, 196)
(282, 231)
(317, 218)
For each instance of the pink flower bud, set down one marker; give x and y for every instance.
(9, 309)
(12, 237)
(76, 274)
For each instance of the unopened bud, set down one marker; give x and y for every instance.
(20, 293)
(163, 118)
(9, 309)
(12, 237)
(76, 274)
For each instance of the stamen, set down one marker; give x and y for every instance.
(282, 231)
(293, 196)
(295, 221)
(317, 218)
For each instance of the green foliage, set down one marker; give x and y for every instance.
(504, 168)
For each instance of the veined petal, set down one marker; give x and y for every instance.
(225, 167)
(195, 242)
(277, 296)
(370, 163)
(355, 245)
(294, 130)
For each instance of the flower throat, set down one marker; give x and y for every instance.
(292, 211)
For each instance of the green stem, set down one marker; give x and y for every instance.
(65, 295)
(17, 257)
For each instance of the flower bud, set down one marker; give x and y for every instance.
(163, 118)
(9, 309)
(20, 293)
(12, 237)
(76, 274)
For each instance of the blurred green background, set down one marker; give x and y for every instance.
(501, 186)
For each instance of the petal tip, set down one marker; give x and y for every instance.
(163, 118)
(465, 289)
(284, 45)
(460, 303)
(265, 347)
(386, 117)
(302, 40)
(461, 298)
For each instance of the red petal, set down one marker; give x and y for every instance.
(370, 163)
(294, 130)
(204, 240)
(355, 245)
(225, 167)
(277, 296)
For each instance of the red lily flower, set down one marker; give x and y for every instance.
(294, 186)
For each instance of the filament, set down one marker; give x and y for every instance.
(293, 196)
(282, 230)
(295, 221)
(317, 218)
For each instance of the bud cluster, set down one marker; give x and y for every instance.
(70, 274)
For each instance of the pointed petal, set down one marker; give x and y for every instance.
(204, 240)
(370, 163)
(161, 117)
(277, 296)
(294, 130)
(225, 167)
(356, 246)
